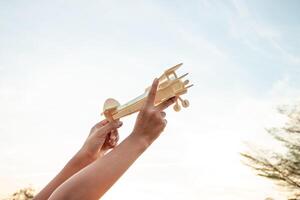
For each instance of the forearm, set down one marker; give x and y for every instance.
(78, 162)
(92, 182)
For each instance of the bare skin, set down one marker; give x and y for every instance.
(92, 171)
(103, 136)
(94, 180)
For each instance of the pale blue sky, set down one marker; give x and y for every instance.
(256, 36)
(59, 61)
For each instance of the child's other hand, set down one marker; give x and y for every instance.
(103, 136)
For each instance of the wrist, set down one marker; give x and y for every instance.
(83, 158)
(143, 141)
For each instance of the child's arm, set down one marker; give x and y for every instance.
(93, 181)
(102, 137)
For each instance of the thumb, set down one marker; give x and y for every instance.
(110, 126)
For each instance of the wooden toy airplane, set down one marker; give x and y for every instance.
(170, 85)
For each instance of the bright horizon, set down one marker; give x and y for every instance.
(60, 60)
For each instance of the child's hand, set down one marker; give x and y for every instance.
(151, 120)
(103, 136)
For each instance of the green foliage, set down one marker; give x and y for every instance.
(282, 168)
(23, 194)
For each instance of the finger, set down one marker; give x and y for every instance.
(151, 96)
(101, 123)
(166, 104)
(113, 131)
(98, 125)
(111, 143)
(163, 114)
(114, 143)
(114, 139)
(113, 134)
(110, 126)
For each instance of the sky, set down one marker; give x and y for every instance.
(60, 60)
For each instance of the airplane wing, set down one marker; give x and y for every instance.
(168, 71)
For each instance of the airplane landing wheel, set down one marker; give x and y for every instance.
(177, 107)
(185, 103)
